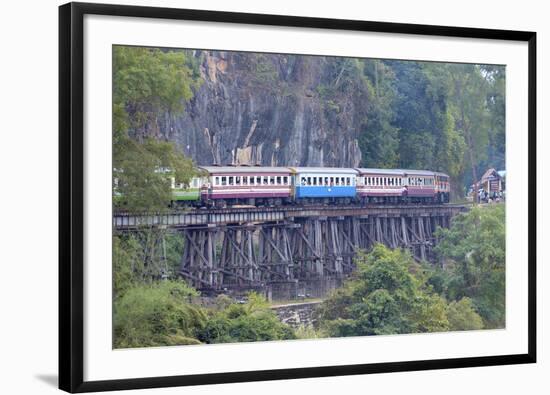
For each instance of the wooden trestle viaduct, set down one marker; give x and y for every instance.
(243, 248)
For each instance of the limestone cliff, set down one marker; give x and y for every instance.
(269, 109)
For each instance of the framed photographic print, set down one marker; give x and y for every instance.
(253, 197)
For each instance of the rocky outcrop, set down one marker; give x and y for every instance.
(298, 314)
(269, 109)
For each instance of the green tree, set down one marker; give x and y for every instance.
(462, 316)
(145, 256)
(146, 83)
(473, 252)
(387, 295)
(157, 314)
(143, 174)
(127, 264)
(252, 321)
(465, 88)
(378, 138)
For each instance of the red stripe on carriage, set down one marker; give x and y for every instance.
(247, 195)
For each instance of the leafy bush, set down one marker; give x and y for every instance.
(252, 321)
(473, 250)
(462, 316)
(157, 315)
(388, 295)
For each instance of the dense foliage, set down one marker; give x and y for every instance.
(424, 115)
(387, 295)
(390, 293)
(251, 321)
(144, 257)
(164, 314)
(473, 251)
(146, 83)
(156, 314)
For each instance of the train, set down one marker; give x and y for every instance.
(230, 186)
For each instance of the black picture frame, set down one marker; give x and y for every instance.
(71, 204)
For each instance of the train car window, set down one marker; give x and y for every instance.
(252, 180)
(278, 180)
(303, 181)
(285, 180)
(231, 180)
(224, 180)
(238, 180)
(216, 180)
(348, 181)
(271, 180)
(314, 180)
(245, 180)
(325, 181)
(337, 181)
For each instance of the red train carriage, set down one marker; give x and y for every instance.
(442, 187)
(380, 185)
(420, 186)
(232, 185)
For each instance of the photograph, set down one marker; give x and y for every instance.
(261, 196)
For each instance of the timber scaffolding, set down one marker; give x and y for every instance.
(245, 248)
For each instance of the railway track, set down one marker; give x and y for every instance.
(240, 215)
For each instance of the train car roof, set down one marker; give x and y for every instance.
(324, 170)
(441, 174)
(244, 169)
(380, 171)
(418, 172)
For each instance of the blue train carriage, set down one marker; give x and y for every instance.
(324, 185)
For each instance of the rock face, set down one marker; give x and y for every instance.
(296, 315)
(268, 109)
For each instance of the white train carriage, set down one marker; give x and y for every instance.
(380, 185)
(248, 185)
